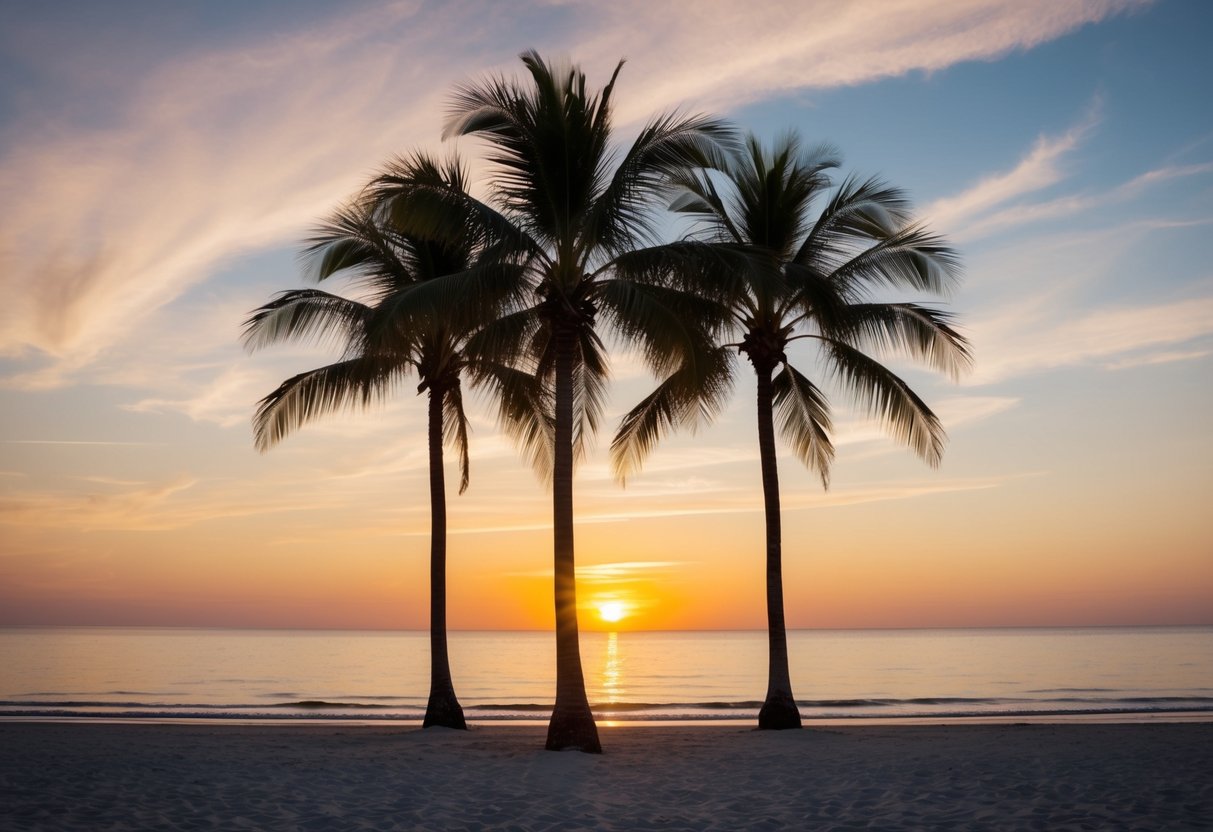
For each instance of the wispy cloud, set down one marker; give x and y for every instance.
(750, 502)
(1163, 174)
(1113, 336)
(176, 503)
(202, 161)
(674, 460)
(866, 439)
(71, 442)
(1150, 359)
(141, 507)
(1041, 168)
(739, 501)
(781, 47)
(1074, 204)
(679, 471)
(1000, 201)
(962, 411)
(114, 481)
(1046, 302)
(953, 411)
(226, 400)
(617, 572)
(225, 150)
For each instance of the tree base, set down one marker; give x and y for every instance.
(573, 729)
(778, 713)
(443, 711)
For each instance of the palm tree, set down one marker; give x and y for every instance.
(394, 333)
(579, 217)
(822, 280)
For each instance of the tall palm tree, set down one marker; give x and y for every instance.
(578, 214)
(823, 280)
(390, 334)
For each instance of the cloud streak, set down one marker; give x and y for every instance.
(739, 502)
(996, 203)
(72, 442)
(778, 48)
(233, 148)
(1116, 337)
(181, 502)
(1043, 167)
(1073, 204)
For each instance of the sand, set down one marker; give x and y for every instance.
(951, 777)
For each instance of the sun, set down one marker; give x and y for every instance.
(612, 611)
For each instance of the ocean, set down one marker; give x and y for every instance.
(838, 675)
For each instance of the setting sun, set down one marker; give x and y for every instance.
(612, 611)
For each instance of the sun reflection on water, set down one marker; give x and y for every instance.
(612, 670)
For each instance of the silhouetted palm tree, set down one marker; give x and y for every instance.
(821, 279)
(393, 333)
(578, 213)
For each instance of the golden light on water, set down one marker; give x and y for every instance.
(612, 670)
(610, 681)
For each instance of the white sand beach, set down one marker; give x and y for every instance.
(335, 777)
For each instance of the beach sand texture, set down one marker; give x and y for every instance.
(334, 777)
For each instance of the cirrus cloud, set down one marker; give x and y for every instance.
(241, 145)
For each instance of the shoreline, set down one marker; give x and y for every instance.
(288, 720)
(87, 775)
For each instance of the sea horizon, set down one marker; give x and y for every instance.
(650, 677)
(584, 630)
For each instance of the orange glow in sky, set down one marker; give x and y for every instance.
(164, 185)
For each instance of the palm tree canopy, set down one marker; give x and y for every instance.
(401, 324)
(822, 278)
(572, 218)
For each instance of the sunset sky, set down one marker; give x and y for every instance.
(160, 162)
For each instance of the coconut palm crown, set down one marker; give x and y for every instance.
(578, 214)
(391, 334)
(821, 279)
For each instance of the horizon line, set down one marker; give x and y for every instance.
(20, 626)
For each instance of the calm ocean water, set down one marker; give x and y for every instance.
(837, 674)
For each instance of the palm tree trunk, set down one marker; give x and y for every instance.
(572, 724)
(779, 708)
(443, 708)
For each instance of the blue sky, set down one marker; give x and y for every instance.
(159, 164)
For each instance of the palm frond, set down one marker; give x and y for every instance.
(887, 397)
(664, 322)
(911, 256)
(697, 390)
(812, 299)
(524, 410)
(460, 302)
(774, 189)
(425, 200)
(548, 145)
(304, 315)
(439, 271)
(719, 271)
(455, 430)
(859, 209)
(306, 396)
(352, 243)
(804, 420)
(921, 331)
(622, 215)
(505, 339)
(699, 197)
(590, 376)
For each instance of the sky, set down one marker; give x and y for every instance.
(160, 164)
